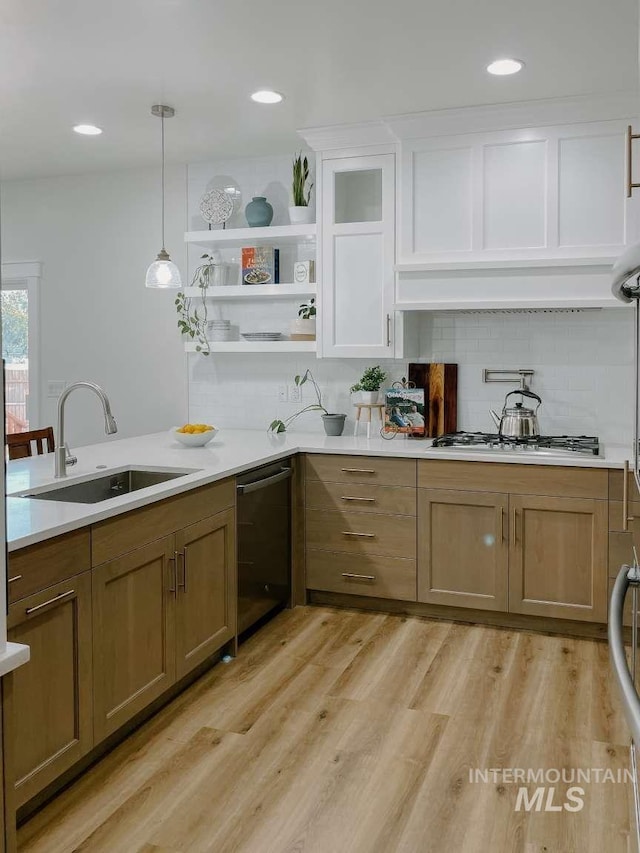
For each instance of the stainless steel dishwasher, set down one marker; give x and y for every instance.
(264, 542)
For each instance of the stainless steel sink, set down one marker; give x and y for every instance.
(105, 487)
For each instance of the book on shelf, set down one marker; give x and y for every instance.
(260, 265)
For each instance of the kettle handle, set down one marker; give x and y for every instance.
(524, 393)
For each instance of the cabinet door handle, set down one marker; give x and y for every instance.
(501, 522)
(361, 535)
(53, 600)
(630, 184)
(388, 330)
(15, 578)
(174, 573)
(358, 577)
(367, 500)
(359, 470)
(626, 518)
(516, 516)
(183, 554)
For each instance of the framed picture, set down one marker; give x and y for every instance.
(404, 411)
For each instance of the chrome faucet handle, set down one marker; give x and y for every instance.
(69, 457)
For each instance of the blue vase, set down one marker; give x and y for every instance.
(259, 212)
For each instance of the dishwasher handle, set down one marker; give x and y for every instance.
(256, 485)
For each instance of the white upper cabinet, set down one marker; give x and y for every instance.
(358, 256)
(549, 193)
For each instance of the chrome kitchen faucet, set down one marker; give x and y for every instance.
(62, 453)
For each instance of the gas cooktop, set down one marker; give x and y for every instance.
(543, 444)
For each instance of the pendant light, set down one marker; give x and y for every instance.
(163, 272)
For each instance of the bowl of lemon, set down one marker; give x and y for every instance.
(193, 435)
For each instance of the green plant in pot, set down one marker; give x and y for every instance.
(304, 328)
(369, 385)
(193, 318)
(301, 213)
(333, 423)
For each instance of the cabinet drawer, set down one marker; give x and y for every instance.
(374, 470)
(379, 577)
(513, 478)
(361, 497)
(361, 533)
(39, 566)
(124, 533)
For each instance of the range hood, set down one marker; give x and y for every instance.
(564, 284)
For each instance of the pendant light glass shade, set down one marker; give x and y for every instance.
(163, 273)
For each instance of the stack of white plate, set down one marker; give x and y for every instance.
(220, 330)
(261, 336)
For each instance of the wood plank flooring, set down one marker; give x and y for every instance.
(348, 732)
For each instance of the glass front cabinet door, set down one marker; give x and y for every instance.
(358, 256)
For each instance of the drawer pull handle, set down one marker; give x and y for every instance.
(368, 500)
(358, 577)
(359, 470)
(15, 578)
(361, 535)
(53, 600)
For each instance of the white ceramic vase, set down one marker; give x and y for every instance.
(303, 330)
(301, 215)
(369, 397)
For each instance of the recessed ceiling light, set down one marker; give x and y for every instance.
(88, 129)
(266, 96)
(503, 67)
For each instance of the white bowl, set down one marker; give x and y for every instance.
(197, 439)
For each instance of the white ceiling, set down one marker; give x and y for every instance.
(107, 61)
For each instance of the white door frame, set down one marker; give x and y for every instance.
(27, 275)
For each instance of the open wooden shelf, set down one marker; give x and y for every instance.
(257, 346)
(272, 235)
(255, 291)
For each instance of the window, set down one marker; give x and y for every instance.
(19, 306)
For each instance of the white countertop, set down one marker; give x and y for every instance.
(231, 452)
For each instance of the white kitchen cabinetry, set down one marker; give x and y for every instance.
(358, 255)
(553, 193)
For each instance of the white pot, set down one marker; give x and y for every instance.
(369, 397)
(301, 215)
(303, 330)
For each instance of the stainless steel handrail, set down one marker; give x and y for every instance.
(628, 576)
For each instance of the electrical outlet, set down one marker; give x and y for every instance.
(295, 394)
(282, 394)
(55, 387)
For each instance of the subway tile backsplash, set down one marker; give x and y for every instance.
(582, 362)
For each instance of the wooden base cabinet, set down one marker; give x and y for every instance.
(558, 557)
(47, 703)
(159, 611)
(205, 602)
(462, 548)
(134, 638)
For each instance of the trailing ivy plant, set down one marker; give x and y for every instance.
(192, 319)
(300, 178)
(281, 426)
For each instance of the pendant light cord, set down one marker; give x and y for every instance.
(162, 133)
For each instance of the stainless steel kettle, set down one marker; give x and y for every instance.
(518, 422)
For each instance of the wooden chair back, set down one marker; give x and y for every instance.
(19, 444)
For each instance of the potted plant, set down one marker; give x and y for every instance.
(370, 384)
(193, 321)
(301, 213)
(333, 423)
(304, 328)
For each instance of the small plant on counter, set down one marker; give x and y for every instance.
(281, 426)
(192, 321)
(307, 310)
(300, 178)
(371, 380)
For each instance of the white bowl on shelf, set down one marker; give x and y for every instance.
(195, 439)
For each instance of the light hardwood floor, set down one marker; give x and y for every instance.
(347, 732)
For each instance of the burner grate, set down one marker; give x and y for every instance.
(586, 444)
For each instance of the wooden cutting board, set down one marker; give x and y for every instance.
(440, 383)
